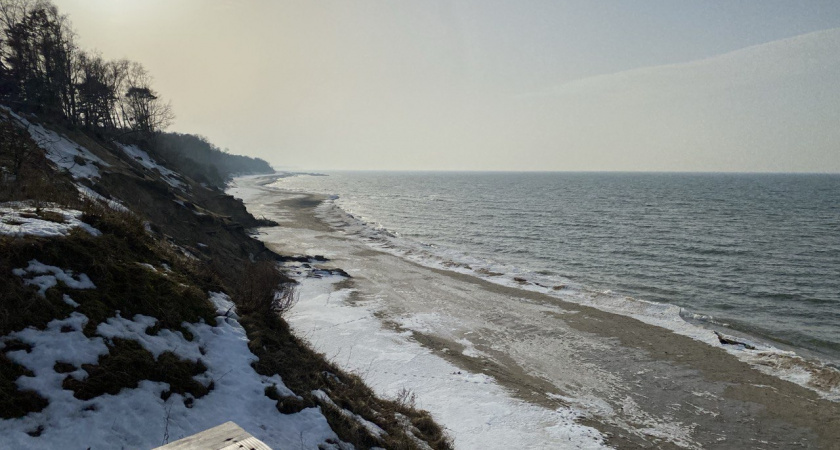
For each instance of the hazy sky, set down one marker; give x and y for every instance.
(492, 85)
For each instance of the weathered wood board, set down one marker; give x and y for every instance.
(227, 436)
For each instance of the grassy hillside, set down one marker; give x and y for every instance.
(131, 293)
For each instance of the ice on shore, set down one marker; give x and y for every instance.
(477, 411)
(766, 358)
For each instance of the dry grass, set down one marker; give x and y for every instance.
(20, 306)
(14, 402)
(286, 404)
(111, 262)
(304, 370)
(128, 363)
(25, 172)
(263, 289)
(261, 292)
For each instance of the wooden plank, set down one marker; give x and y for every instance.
(227, 436)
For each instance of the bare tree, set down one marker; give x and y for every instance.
(142, 109)
(42, 70)
(116, 78)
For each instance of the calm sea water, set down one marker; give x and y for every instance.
(760, 253)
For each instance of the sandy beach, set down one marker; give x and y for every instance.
(638, 385)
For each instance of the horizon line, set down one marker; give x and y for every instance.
(699, 172)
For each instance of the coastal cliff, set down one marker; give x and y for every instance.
(136, 309)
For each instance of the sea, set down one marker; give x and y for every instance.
(758, 254)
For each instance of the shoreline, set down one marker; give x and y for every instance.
(625, 376)
(806, 367)
(629, 270)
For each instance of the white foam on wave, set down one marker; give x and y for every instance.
(783, 364)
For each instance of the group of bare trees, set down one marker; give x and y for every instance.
(43, 71)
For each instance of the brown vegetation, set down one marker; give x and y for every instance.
(303, 370)
(15, 402)
(25, 172)
(127, 363)
(229, 260)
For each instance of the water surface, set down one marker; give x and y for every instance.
(759, 253)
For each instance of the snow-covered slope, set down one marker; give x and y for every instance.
(141, 418)
(171, 178)
(80, 162)
(108, 337)
(22, 219)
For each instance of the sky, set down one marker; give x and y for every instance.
(566, 85)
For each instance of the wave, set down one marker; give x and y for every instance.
(439, 257)
(766, 357)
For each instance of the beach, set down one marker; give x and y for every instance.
(504, 366)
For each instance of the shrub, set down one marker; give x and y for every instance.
(264, 290)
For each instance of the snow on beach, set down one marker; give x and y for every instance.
(140, 417)
(478, 412)
(769, 359)
(634, 381)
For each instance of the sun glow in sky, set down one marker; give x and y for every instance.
(492, 85)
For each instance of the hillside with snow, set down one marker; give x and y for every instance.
(136, 309)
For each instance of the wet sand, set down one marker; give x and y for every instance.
(642, 386)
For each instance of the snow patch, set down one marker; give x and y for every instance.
(140, 418)
(55, 344)
(46, 277)
(63, 152)
(18, 219)
(147, 266)
(164, 341)
(476, 410)
(371, 427)
(224, 305)
(66, 154)
(89, 193)
(70, 301)
(470, 350)
(170, 177)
